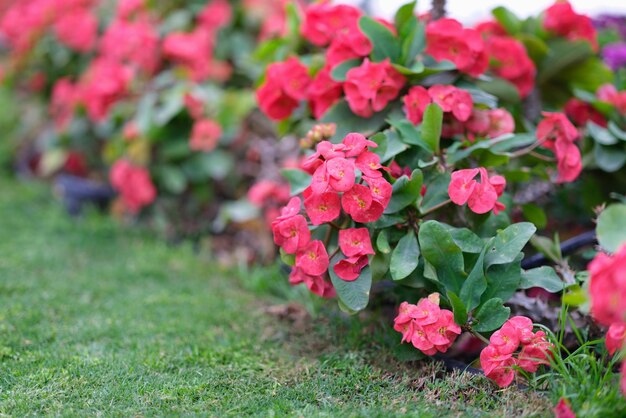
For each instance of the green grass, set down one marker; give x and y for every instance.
(96, 318)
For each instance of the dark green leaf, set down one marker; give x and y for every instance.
(379, 264)
(410, 134)
(500, 88)
(389, 145)
(384, 42)
(503, 280)
(535, 214)
(440, 250)
(563, 53)
(405, 192)
(460, 312)
(354, 295)
(616, 131)
(544, 277)
(172, 178)
(382, 243)
(413, 45)
(491, 315)
(508, 243)
(611, 229)
(467, 241)
(475, 284)
(405, 257)
(436, 192)
(404, 14)
(431, 126)
(348, 122)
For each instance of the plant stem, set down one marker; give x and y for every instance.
(434, 208)
(438, 9)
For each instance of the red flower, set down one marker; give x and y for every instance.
(562, 20)
(133, 42)
(446, 39)
(615, 337)
(216, 14)
(490, 28)
(563, 409)
(509, 60)
(559, 135)
(355, 242)
(193, 51)
(348, 44)
(489, 123)
(355, 144)
(341, 174)
(286, 84)
(205, 135)
(462, 185)
(369, 164)
(381, 189)
(64, 98)
(77, 29)
(360, 205)
(371, 86)
(581, 113)
(133, 184)
(323, 93)
(291, 231)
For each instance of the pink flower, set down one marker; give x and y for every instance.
(559, 135)
(291, 231)
(489, 123)
(563, 409)
(63, 102)
(562, 20)
(77, 29)
(426, 326)
(462, 185)
(369, 164)
(132, 42)
(322, 207)
(509, 60)
(355, 144)
(580, 113)
(286, 84)
(216, 14)
(341, 174)
(205, 135)
(134, 185)
(316, 284)
(360, 205)
(193, 51)
(381, 190)
(348, 44)
(323, 21)
(104, 84)
(415, 103)
(505, 340)
(323, 93)
(446, 39)
(350, 268)
(484, 196)
(313, 258)
(194, 106)
(615, 337)
(371, 86)
(608, 287)
(355, 242)
(451, 99)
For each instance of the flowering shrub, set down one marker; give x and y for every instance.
(418, 186)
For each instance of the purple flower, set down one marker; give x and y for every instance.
(614, 55)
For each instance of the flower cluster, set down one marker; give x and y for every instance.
(509, 60)
(371, 86)
(270, 196)
(608, 93)
(450, 99)
(480, 197)
(428, 327)
(561, 19)
(556, 133)
(134, 185)
(286, 84)
(447, 39)
(499, 358)
(580, 113)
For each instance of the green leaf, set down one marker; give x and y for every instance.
(544, 277)
(405, 257)
(467, 241)
(288, 259)
(500, 146)
(379, 265)
(508, 243)
(616, 131)
(410, 134)
(405, 192)
(491, 315)
(347, 121)
(436, 192)
(382, 242)
(440, 250)
(563, 53)
(503, 280)
(460, 312)
(588, 75)
(404, 14)
(431, 126)
(413, 45)
(611, 227)
(500, 88)
(609, 159)
(547, 247)
(172, 178)
(475, 284)
(384, 42)
(354, 295)
(339, 72)
(509, 21)
(389, 145)
(298, 179)
(535, 214)
(601, 135)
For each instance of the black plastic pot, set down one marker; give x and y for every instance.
(77, 192)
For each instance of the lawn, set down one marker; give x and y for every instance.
(99, 319)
